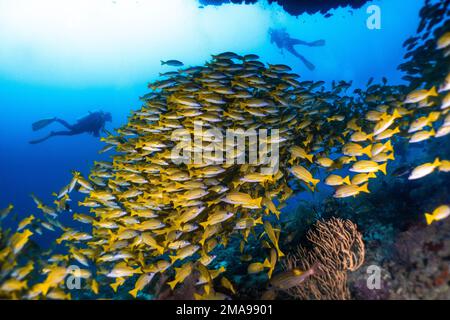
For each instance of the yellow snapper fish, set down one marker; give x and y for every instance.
(380, 147)
(217, 217)
(443, 41)
(24, 271)
(421, 122)
(445, 104)
(367, 166)
(324, 162)
(299, 152)
(304, 175)
(383, 157)
(19, 240)
(141, 283)
(385, 122)
(184, 253)
(442, 131)
(274, 238)
(180, 274)
(440, 213)
(122, 270)
(420, 136)
(227, 284)
(256, 177)
(12, 285)
(291, 278)
(350, 190)
(257, 267)
(246, 223)
(55, 276)
(355, 150)
(335, 180)
(361, 178)
(145, 208)
(242, 199)
(420, 94)
(59, 294)
(25, 222)
(386, 134)
(6, 211)
(360, 136)
(424, 169)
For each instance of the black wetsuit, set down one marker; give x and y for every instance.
(93, 124)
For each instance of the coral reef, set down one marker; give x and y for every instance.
(419, 267)
(337, 248)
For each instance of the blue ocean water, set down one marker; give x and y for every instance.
(68, 59)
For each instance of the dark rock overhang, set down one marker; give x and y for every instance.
(297, 7)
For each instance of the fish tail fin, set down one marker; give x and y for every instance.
(437, 162)
(198, 296)
(236, 184)
(372, 175)
(44, 288)
(133, 292)
(269, 273)
(309, 157)
(163, 62)
(315, 182)
(346, 180)
(258, 201)
(364, 188)
(432, 132)
(160, 250)
(259, 221)
(115, 286)
(172, 284)
(367, 151)
(388, 146)
(382, 168)
(204, 224)
(266, 263)
(391, 156)
(429, 218)
(280, 253)
(395, 114)
(434, 116)
(310, 187)
(433, 92)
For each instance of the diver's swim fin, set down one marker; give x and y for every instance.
(318, 43)
(308, 64)
(42, 139)
(38, 125)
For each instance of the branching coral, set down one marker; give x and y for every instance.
(337, 248)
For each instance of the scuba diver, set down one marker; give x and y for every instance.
(284, 41)
(93, 123)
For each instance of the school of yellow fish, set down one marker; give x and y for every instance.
(147, 215)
